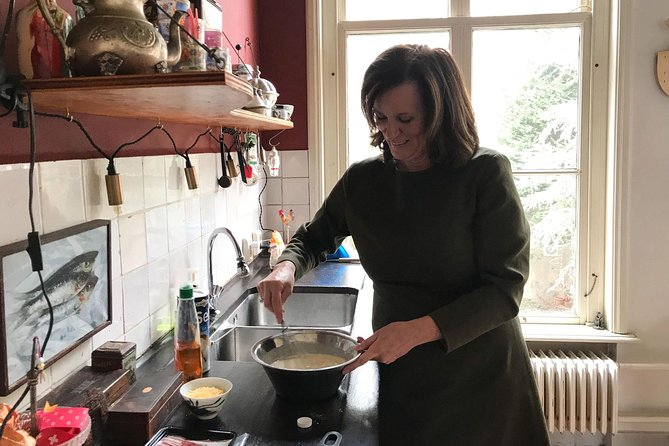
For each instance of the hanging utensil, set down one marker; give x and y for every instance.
(242, 163)
(232, 170)
(224, 181)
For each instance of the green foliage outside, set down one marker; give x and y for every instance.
(542, 134)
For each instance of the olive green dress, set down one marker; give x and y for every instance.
(452, 243)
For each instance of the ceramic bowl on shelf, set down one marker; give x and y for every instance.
(283, 111)
(205, 396)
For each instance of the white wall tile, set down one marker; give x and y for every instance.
(113, 332)
(155, 182)
(146, 274)
(176, 179)
(132, 183)
(61, 194)
(221, 208)
(141, 336)
(135, 297)
(176, 225)
(156, 233)
(115, 250)
(178, 270)
(207, 173)
(132, 236)
(95, 190)
(294, 163)
(195, 264)
(301, 214)
(74, 360)
(159, 283)
(14, 178)
(295, 191)
(272, 193)
(207, 213)
(193, 222)
(117, 301)
(160, 323)
(271, 219)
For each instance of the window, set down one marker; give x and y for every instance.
(532, 69)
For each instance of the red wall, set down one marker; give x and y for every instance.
(57, 139)
(283, 51)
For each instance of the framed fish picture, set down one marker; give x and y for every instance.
(76, 278)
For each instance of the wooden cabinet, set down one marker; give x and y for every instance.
(207, 98)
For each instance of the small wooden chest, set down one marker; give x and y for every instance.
(113, 355)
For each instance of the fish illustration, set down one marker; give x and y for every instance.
(65, 308)
(64, 286)
(83, 263)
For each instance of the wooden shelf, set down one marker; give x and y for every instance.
(209, 97)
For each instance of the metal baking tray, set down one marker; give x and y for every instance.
(192, 434)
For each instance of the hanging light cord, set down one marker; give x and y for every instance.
(5, 32)
(206, 132)
(39, 272)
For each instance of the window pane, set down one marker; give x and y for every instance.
(550, 205)
(396, 9)
(361, 50)
(520, 7)
(525, 90)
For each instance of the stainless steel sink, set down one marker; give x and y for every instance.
(249, 321)
(235, 343)
(322, 309)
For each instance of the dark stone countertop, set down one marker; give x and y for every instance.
(254, 409)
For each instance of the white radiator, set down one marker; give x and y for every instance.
(578, 391)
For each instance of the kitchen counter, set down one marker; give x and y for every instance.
(254, 409)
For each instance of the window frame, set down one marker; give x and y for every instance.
(326, 37)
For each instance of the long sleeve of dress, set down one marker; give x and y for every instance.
(501, 240)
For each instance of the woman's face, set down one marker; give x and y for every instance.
(400, 118)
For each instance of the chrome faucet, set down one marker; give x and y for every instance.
(242, 269)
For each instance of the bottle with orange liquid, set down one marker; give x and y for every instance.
(187, 354)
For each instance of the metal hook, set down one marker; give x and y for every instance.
(274, 136)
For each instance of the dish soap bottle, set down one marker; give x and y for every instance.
(274, 162)
(187, 352)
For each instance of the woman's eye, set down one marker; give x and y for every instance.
(379, 118)
(404, 120)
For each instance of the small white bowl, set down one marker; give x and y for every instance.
(206, 408)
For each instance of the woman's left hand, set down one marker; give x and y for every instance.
(394, 341)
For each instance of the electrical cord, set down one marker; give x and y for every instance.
(5, 32)
(34, 250)
(208, 131)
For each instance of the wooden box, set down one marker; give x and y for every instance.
(114, 355)
(95, 389)
(140, 413)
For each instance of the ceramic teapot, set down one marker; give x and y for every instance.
(114, 37)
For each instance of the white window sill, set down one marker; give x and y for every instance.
(573, 333)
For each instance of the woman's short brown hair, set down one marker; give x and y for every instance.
(450, 127)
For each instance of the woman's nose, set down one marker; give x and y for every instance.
(391, 131)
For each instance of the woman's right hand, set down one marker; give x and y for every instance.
(276, 287)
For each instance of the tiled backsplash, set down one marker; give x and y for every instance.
(159, 235)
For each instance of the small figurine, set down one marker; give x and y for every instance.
(40, 53)
(599, 323)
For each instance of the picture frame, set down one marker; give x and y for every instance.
(76, 275)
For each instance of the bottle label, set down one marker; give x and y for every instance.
(202, 307)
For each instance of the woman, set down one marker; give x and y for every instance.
(440, 231)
